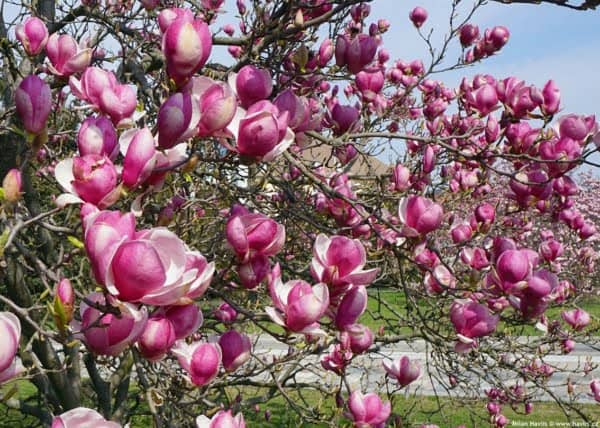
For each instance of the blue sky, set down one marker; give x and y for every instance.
(547, 42)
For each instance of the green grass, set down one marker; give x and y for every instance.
(393, 304)
(411, 411)
(414, 411)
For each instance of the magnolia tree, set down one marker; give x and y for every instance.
(186, 241)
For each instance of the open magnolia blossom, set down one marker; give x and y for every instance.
(90, 178)
(102, 90)
(199, 359)
(261, 133)
(367, 410)
(419, 215)
(338, 260)
(151, 266)
(82, 417)
(403, 370)
(109, 333)
(298, 305)
(10, 335)
(472, 320)
(66, 56)
(251, 234)
(223, 419)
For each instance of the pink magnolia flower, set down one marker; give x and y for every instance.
(167, 16)
(595, 388)
(418, 16)
(10, 335)
(358, 337)
(338, 261)
(107, 333)
(33, 35)
(251, 84)
(225, 313)
(186, 46)
(186, 319)
(301, 117)
(140, 156)
(33, 103)
(439, 279)
(355, 53)
(576, 127)
(103, 232)
(166, 161)
(223, 419)
(90, 178)
(496, 38)
(475, 258)
(369, 84)
(156, 268)
(11, 185)
(82, 417)
(483, 99)
(261, 133)
(251, 234)
(102, 90)
(485, 214)
(213, 5)
(65, 56)
(551, 94)
(419, 215)
(461, 233)
(513, 266)
(472, 320)
(337, 360)
(235, 349)
(352, 306)
(578, 319)
(97, 136)
(157, 338)
(298, 306)
(200, 360)
(468, 34)
(516, 96)
(216, 101)
(403, 370)
(400, 181)
(344, 119)
(326, 50)
(152, 266)
(177, 119)
(254, 271)
(551, 249)
(368, 411)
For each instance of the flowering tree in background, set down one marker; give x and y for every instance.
(168, 219)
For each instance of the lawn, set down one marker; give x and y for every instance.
(408, 411)
(385, 305)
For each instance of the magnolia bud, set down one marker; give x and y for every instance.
(468, 34)
(418, 16)
(11, 185)
(33, 103)
(235, 348)
(64, 298)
